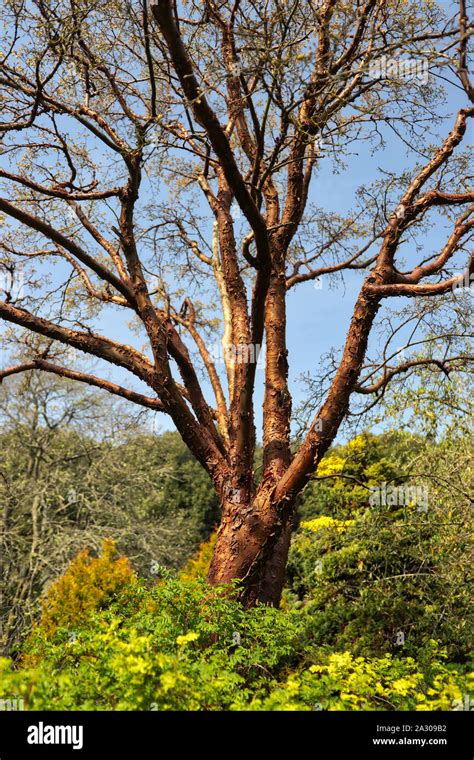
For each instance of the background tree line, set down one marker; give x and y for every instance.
(361, 573)
(75, 469)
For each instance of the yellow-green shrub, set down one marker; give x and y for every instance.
(87, 585)
(197, 566)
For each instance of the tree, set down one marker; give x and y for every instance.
(77, 468)
(233, 105)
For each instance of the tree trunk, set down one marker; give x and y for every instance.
(268, 583)
(253, 539)
(252, 547)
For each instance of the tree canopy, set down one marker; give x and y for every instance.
(160, 169)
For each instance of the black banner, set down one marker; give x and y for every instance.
(368, 734)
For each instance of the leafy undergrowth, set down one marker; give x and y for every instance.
(179, 645)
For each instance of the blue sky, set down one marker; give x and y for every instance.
(318, 317)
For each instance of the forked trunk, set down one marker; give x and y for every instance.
(253, 539)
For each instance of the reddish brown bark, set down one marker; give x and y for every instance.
(252, 543)
(238, 161)
(252, 547)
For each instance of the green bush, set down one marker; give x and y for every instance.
(179, 645)
(386, 579)
(357, 578)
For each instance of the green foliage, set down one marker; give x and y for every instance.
(180, 645)
(70, 480)
(198, 565)
(88, 584)
(366, 574)
(341, 681)
(171, 646)
(113, 637)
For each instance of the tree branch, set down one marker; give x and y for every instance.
(113, 388)
(33, 222)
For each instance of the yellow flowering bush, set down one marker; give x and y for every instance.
(87, 584)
